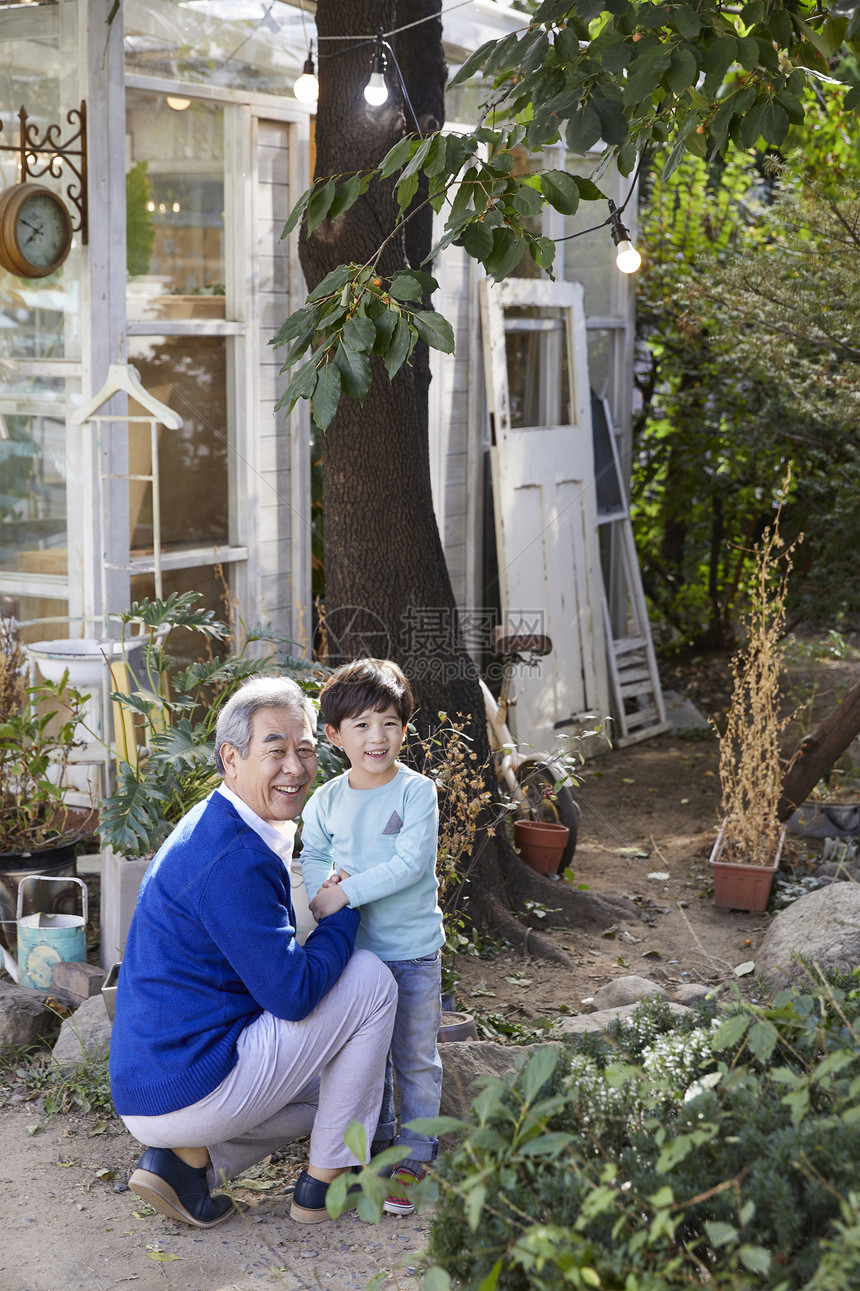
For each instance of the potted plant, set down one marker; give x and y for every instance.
(747, 851)
(165, 733)
(39, 730)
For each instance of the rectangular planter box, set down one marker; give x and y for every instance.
(742, 887)
(120, 882)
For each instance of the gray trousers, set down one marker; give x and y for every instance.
(294, 1078)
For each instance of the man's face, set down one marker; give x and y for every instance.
(274, 778)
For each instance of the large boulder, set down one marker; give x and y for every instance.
(626, 990)
(463, 1065)
(25, 1018)
(823, 927)
(587, 1022)
(84, 1035)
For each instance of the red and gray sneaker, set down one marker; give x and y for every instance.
(398, 1201)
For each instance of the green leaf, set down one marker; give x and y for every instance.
(684, 70)
(436, 1279)
(774, 123)
(359, 333)
(754, 1258)
(489, 1282)
(296, 213)
(396, 157)
(318, 206)
(417, 157)
(406, 190)
(345, 196)
(355, 1139)
(326, 396)
(477, 240)
(646, 70)
(163, 1257)
(613, 122)
(687, 22)
(507, 252)
(748, 52)
(471, 65)
(332, 282)
(301, 387)
(561, 191)
(435, 163)
(731, 1031)
(583, 129)
(434, 330)
(720, 1234)
(354, 368)
(762, 1039)
(412, 284)
(543, 252)
(399, 347)
(475, 1199)
(538, 1071)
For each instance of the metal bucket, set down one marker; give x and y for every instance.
(48, 862)
(48, 939)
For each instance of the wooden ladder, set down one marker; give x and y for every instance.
(639, 712)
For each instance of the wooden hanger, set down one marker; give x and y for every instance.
(124, 379)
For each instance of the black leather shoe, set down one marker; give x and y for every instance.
(309, 1198)
(177, 1190)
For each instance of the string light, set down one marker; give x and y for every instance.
(307, 87)
(376, 91)
(627, 257)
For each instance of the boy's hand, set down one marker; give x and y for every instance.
(334, 879)
(330, 898)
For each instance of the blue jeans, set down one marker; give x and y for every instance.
(414, 1059)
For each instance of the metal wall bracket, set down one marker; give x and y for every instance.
(32, 150)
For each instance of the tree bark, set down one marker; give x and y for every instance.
(817, 752)
(387, 589)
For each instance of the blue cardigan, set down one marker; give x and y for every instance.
(211, 945)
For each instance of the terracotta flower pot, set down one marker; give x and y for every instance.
(540, 843)
(457, 1026)
(742, 887)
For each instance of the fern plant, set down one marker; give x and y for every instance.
(169, 764)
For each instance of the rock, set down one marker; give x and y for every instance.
(600, 1021)
(695, 992)
(464, 1063)
(25, 1018)
(86, 1034)
(841, 871)
(626, 990)
(823, 927)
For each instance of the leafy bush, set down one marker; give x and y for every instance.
(718, 1150)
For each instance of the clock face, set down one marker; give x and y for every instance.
(35, 230)
(41, 230)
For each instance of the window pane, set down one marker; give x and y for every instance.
(538, 378)
(188, 374)
(33, 475)
(175, 191)
(590, 259)
(39, 317)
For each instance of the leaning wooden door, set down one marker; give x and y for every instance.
(542, 459)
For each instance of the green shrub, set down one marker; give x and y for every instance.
(716, 1151)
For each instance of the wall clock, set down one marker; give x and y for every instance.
(35, 230)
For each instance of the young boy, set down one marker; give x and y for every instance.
(369, 841)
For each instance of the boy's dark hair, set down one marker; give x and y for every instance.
(363, 684)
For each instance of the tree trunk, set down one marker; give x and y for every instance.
(387, 590)
(817, 752)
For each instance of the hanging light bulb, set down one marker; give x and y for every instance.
(627, 258)
(307, 87)
(376, 91)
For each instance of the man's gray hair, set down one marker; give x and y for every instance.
(234, 720)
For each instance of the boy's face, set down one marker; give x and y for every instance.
(371, 741)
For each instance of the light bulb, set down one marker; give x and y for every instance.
(307, 87)
(178, 105)
(628, 258)
(376, 91)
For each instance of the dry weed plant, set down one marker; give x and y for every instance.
(13, 669)
(749, 748)
(449, 759)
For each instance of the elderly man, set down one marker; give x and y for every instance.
(230, 1039)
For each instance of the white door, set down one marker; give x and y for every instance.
(542, 460)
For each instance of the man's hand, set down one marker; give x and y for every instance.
(331, 897)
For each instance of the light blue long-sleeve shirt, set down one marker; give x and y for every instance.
(385, 839)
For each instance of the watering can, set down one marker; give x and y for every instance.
(46, 939)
